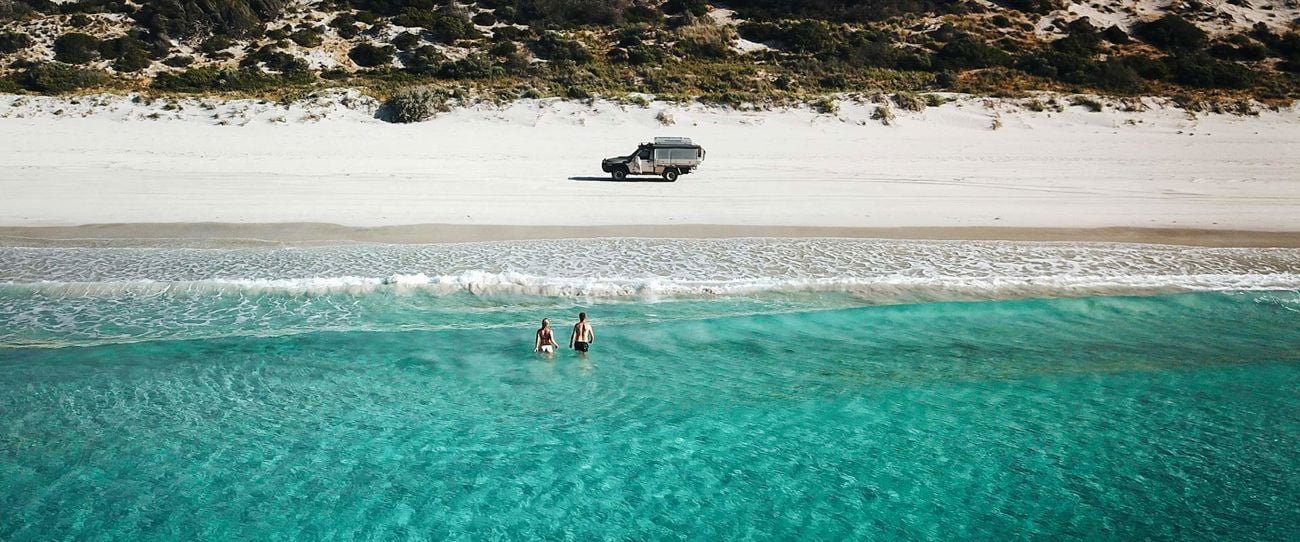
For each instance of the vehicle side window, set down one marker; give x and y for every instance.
(645, 154)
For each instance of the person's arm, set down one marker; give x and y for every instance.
(572, 335)
(537, 341)
(591, 332)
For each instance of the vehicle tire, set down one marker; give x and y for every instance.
(619, 173)
(670, 175)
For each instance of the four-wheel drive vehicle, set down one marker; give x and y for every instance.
(667, 156)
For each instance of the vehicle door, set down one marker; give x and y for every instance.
(643, 162)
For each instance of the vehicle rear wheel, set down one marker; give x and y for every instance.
(670, 175)
(619, 174)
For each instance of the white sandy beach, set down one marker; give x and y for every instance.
(106, 160)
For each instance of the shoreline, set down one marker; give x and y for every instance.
(216, 234)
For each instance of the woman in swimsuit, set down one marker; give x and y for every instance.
(545, 342)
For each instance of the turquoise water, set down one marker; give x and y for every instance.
(210, 407)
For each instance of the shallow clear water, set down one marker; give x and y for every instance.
(143, 404)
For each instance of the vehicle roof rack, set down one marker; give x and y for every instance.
(673, 141)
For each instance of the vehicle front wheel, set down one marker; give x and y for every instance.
(670, 175)
(620, 174)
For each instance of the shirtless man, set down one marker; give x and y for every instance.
(545, 342)
(582, 335)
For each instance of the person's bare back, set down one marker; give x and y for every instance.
(545, 339)
(583, 334)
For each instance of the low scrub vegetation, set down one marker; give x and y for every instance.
(677, 49)
(416, 104)
(56, 78)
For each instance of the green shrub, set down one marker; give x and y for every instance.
(12, 42)
(1286, 46)
(346, 25)
(114, 48)
(192, 80)
(825, 105)
(416, 104)
(367, 17)
(1091, 103)
(551, 46)
(76, 48)
(215, 45)
(1172, 33)
(1041, 7)
(474, 66)
(1203, 71)
(803, 36)
(245, 79)
(335, 74)
(1115, 75)
(425, 60)
(369, 55)
(179, 61)
(967, 52)
(678, 7)
(132, 60)
(406, 41)
(1116, 35)
(644, 54)
(308, 37)
(53, 78)
(236, 18)
(884, 114)
(271, 59)
(8, 85)
(567, 13)
(1082, 38)
(444, 25)
(908, 101)
(503, 49)
(842, 11)
(483, 18)
(643, 14)
(705, 41)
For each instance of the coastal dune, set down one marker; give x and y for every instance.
(970, 164)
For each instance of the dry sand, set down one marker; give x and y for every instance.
(317, 170)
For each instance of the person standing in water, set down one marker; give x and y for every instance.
(582, 335)
(545, 342)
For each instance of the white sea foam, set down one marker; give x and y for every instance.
(883, 289)
(83, 296)
(874, 270)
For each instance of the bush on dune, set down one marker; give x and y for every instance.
(840, 10)
(443, 25)
(76, 48)
(228, 80)
(191, 18)
(1040, 7)
(416, 104)
(57, 78)
(1172, 33)
(12, 42)
(705, 41)
(551, 46)
(368, 55)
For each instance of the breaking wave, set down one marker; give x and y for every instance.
(88, 295)
(881, 289)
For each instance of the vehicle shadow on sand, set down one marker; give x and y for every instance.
(613, 180)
